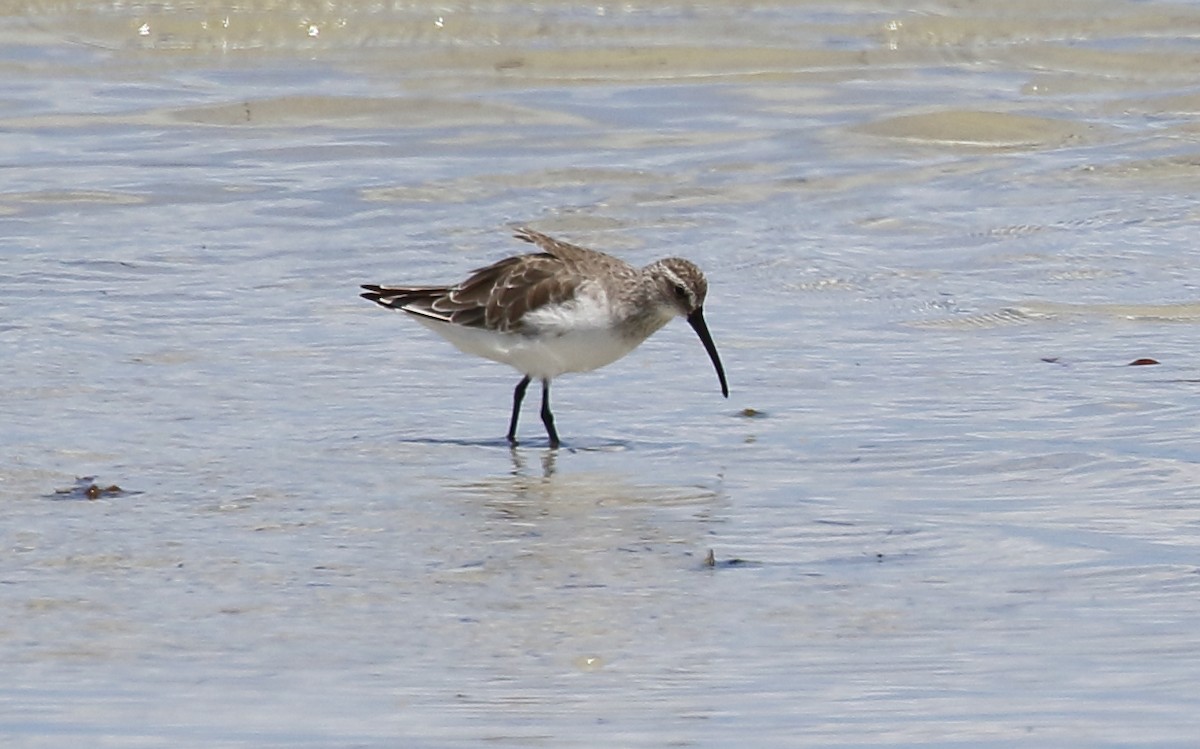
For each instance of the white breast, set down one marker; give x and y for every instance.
(543, 356)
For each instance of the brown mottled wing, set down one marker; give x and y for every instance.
(563, 250)
(498, 296)
(494, 298)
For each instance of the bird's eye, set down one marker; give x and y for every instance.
(681, 293)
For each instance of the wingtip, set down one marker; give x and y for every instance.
(373, 293)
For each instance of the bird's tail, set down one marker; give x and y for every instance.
(403, 297)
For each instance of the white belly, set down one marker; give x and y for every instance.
(544, 356)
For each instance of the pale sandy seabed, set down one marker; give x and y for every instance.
(944, 511)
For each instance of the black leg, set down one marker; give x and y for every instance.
(518, 396)
(547, 417)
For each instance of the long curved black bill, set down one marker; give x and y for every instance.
(696, 320)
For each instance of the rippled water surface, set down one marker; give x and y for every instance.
(943, 508)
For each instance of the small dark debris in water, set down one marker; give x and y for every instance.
(95, 492)
(87, 488)
(1141, 362)
(752, 413)
(1050, 359)
(710, 560)
(879, 556)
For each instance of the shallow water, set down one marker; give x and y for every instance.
(943, 509)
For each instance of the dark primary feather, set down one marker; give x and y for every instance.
(416, 299)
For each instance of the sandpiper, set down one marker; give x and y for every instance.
(564, 309)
